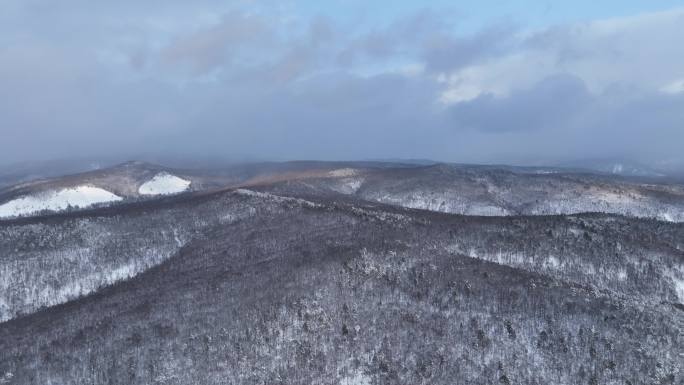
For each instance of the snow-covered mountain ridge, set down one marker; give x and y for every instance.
(57, 200)
(120, 184)
(471, 190)
(164, 184)
(456, 189)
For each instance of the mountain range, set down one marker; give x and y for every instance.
(370, 272)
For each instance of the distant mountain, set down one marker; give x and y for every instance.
(107, 186)
(492, 191)
(456, 189)
(618, 167)
(21, 172)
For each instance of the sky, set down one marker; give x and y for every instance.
(517, 81)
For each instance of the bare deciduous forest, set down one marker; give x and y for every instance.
(304, 280)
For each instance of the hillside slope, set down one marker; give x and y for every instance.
(333, 292)
(487, 191)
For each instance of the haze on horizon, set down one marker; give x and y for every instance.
(516, 82)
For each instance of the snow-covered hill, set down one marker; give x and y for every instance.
(164, 184)
(301, 266)
(488, 191)
(250, 287)
(57, 200)
(456, 189)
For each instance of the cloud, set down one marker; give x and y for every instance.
(449, 53)
(236, 37)
(675, 87)
(551, 104)
(330, 116)
(560, 118)
(261, 82)
(634, 51)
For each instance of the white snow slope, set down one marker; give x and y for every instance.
(57, 200)
(163, 184)
(343, 172)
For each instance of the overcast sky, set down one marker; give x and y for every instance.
(498, 82)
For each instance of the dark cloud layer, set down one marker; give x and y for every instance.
(118, 80)
(551, 104)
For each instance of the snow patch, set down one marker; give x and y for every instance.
(358, 378)
(353, 184)
(677, 277)
(441, 202)
(622, 274)
(278, 198)
(57, 200)
(164, 184)
(343, 173)
(667, 217)
(552, 263)
(679, 288)
(348, 185)
(575, 231)
(6, 378)
(613, 198)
